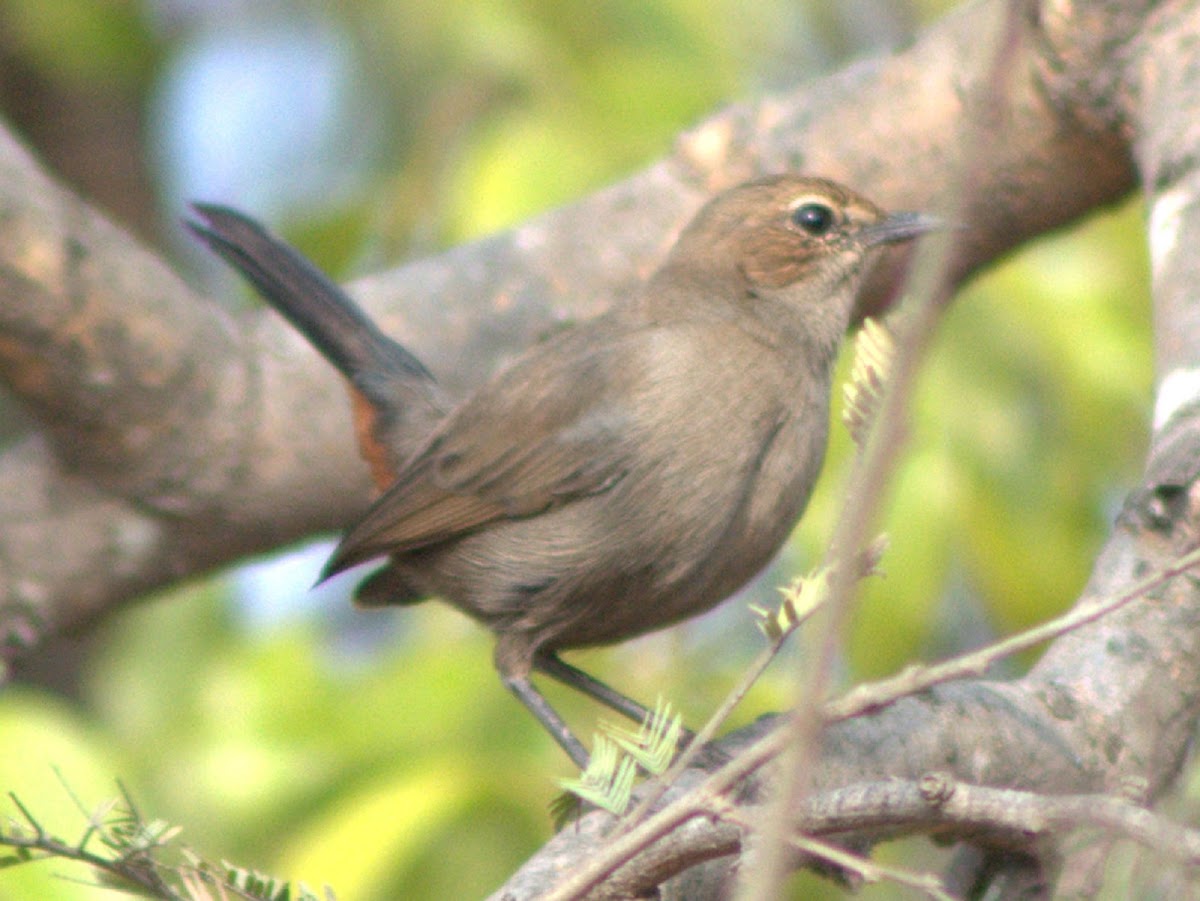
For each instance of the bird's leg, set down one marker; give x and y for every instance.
(547, 716)
(576, 678)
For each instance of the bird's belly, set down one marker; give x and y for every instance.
(605, 568)
(675, 571)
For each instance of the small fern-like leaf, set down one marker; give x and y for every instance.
(804, 595)
(255, 884)
(607, 782)
(564, 807)
(874, 350)
(654, 743)
(801, 598)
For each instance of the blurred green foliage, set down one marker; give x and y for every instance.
(408, 771)
(80, 41)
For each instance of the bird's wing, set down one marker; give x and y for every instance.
(546, 431)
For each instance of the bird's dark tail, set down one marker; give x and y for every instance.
(395, 398)
(322, 311)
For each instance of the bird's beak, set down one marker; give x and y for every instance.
(900, 227)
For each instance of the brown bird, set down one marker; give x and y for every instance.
(627, 473)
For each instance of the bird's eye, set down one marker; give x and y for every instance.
(814, 218)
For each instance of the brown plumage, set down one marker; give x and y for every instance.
(627, 473)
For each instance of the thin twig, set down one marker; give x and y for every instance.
(930, 286)
(133, 848)
(867, 870)
(41, 841)
(929, 884)
(913, 679)
(703, 737)
(794, 618)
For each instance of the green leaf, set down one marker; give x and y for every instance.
(654, 743)
(607, 782)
